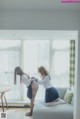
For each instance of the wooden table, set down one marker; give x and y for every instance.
(3, 90)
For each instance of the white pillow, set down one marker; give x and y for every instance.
(68, 96)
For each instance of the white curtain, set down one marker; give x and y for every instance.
(30, 55)
(9, 59)
(36, 53)
(40, 53)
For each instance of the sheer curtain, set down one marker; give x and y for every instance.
(30, 54)
(36, 53)
(60, 63)
(54, 55)
(9, 59)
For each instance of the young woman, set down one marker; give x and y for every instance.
(31, 85)
(51, 93)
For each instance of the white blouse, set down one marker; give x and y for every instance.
(26, 81)
(45, 82)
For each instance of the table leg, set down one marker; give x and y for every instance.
(2, 102)
(5, 101)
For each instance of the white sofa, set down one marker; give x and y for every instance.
(61, 111)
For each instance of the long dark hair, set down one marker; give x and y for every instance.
(43, 71)
(17, 71)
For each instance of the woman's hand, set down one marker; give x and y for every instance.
(28, 76)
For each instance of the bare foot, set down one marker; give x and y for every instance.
(28, 114)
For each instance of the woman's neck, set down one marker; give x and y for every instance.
(43, 76)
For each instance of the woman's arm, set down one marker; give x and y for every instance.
(43, 80)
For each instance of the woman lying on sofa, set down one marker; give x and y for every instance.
(31, 85)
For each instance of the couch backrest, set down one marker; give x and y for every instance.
(61, 92)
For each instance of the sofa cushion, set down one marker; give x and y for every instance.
(58, 102)
(61, 92)
(64, 111)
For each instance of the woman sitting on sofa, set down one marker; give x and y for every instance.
(51, 93)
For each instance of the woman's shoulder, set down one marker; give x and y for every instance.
(23, 76)
(47, 77)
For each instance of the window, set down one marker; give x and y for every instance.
(9, 59)
(52, 54)
(36, 53)
(60, 63)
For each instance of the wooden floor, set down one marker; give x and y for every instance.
(17, 113)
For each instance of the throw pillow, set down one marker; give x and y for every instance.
(68, 96)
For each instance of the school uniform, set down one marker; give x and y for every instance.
(27, 82)
(51, 93)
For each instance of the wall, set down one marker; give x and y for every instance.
(46, 20)
(77, 82)
(34, 20)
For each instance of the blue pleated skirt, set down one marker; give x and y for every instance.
(29, 92)
(51, 94)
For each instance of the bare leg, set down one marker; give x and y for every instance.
(34, 92)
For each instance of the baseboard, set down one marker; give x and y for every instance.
(17, 104)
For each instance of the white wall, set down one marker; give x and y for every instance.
(46, 20)
(77, 83)
(35, 20)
